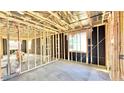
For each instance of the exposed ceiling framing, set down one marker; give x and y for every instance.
(54, 21)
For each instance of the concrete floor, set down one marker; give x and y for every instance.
(63, 71)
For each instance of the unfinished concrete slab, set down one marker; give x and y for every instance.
(64, 71)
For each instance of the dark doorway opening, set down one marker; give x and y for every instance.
(98, 43)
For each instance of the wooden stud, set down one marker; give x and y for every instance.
(41, 45)
(49, 40)
(8, 48)
(61, 46)
(81, 53)
(80, 48)
(44, 47)
(56, 44)
(49, 48)
(64, 44)
(107, 46)
(97, 46)
(53, 48)
(0, 68)
(28, 45)
(68, 47)
(122, 44)
(35, 45)
(76, 46)
(72, 52)
(19, 47)
(91, 46)
(58, 47)
(87, 47)
(0, 57)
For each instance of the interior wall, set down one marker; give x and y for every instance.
(40, 53)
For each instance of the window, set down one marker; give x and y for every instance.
(14, 44)
(77, 42)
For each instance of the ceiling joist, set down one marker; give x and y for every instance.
(36, 15)
(24, 22)
(56, 16)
